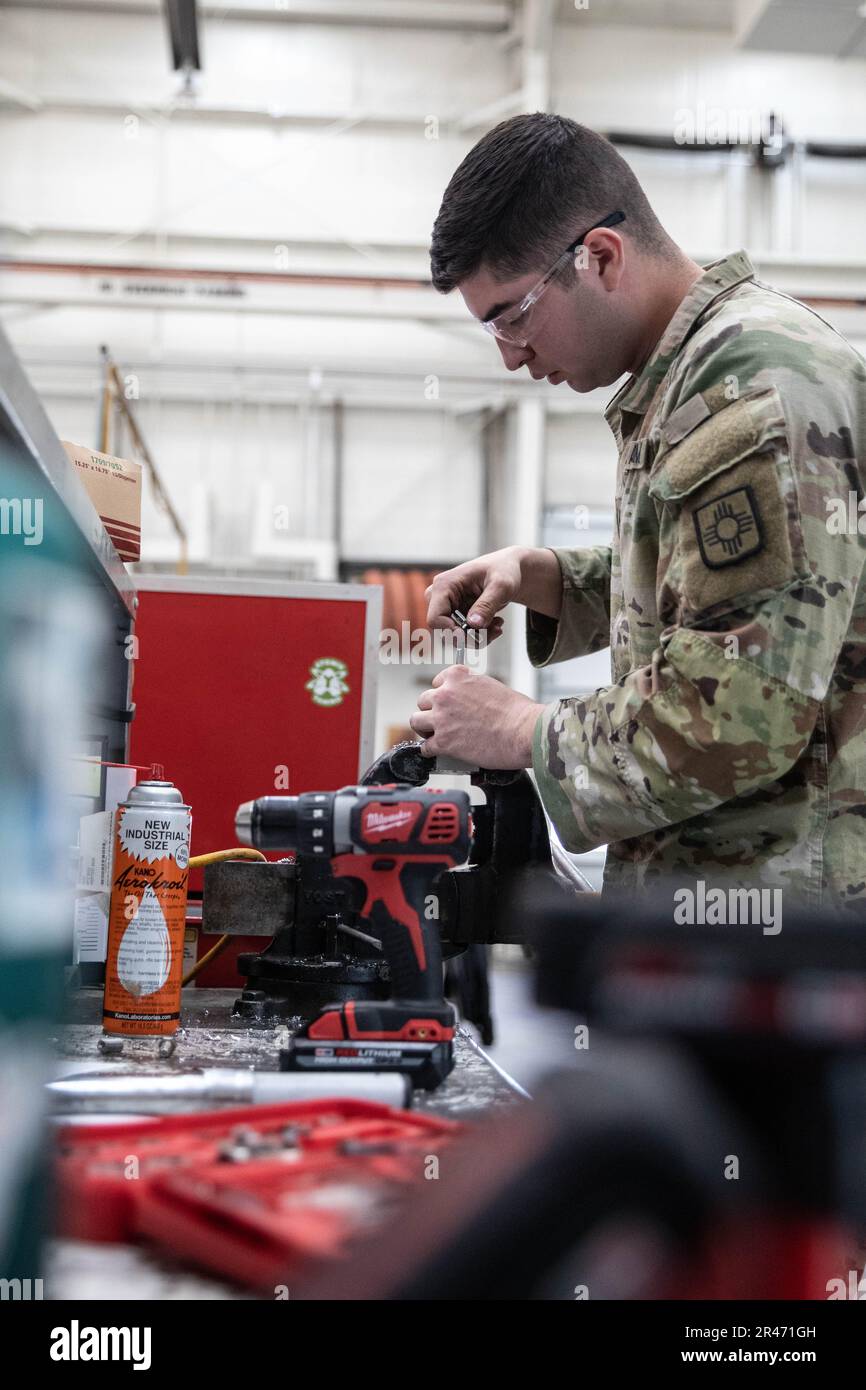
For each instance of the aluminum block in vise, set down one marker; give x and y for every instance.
(244, 897)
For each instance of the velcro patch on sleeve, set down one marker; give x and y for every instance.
(730, 485)
(698, 446)
(684, 419)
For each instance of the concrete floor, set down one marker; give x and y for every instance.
(529, 1040)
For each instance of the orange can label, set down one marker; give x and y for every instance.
(146, 920)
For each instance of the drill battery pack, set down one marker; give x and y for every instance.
(426, 1064)
(416, 1038)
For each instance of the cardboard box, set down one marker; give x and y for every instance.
(114, 488)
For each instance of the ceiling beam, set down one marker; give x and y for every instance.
(477, 15)
(180, 108)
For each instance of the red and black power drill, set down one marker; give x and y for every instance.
(393, 841)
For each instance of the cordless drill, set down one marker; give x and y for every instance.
(392, 842)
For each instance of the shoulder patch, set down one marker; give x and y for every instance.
(729, 489)
(729, 528)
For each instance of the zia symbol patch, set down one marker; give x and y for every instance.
(729, 528)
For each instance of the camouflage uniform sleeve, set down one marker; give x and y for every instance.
(583, 625)
(754, 599)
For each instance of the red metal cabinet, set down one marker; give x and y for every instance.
(229, 698)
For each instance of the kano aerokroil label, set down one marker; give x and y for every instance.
(148, 912)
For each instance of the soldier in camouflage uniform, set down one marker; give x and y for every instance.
(731, 746)
(734, 736)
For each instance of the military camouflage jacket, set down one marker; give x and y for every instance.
(732, 743)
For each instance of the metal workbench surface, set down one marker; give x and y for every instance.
(210, 1037)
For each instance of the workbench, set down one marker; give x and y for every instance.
(210, 1037)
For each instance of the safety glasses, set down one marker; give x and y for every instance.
(512, 325)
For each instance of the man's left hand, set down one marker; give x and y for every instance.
(476, 719)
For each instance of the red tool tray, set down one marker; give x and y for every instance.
(263, 1224)
(315, 1174)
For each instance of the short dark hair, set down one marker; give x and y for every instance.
(529, 187)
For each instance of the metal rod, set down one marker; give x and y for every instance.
(361, 935)
(179, 1091)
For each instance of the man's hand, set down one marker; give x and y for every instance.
(482, 588)
(477, 719)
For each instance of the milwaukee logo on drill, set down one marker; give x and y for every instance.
(390, 823)
(379, 822)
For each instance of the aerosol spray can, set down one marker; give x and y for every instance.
(148, 911)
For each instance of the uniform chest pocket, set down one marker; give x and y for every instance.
(732, 532)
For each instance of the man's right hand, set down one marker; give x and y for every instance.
(482, 588)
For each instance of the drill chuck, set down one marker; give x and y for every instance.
(280, 823)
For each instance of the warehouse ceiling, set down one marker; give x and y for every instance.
(835, 28)
(484, 15)
(679, 14)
